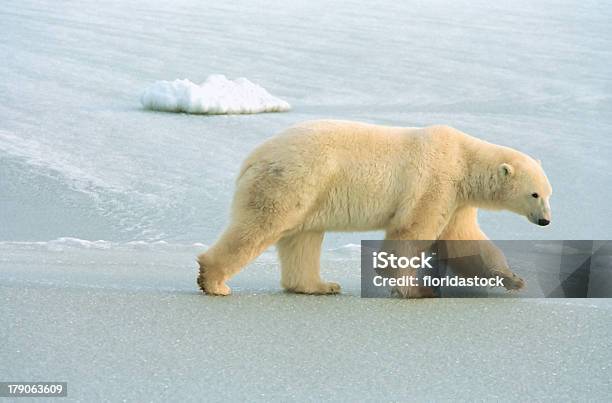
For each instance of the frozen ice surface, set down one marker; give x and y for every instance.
(215, 96)
(122, 318)
(128, 323)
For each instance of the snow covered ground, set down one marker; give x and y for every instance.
(81, 158)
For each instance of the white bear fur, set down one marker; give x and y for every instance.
(327, 175)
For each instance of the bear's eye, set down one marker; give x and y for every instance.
(535, 195)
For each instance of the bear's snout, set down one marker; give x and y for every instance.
(543, 222)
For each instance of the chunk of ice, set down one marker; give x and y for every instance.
(216, 95)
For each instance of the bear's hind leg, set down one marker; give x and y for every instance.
(300, 264)
(234, 250)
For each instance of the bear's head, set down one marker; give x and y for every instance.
(524, 189)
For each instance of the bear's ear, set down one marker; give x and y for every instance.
(539, 162)
(506, 170)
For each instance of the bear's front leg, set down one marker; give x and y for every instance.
(424, 222)
(481, 258)
(471, 253)
(496, 265)
(408, 249)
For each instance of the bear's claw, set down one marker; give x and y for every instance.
(319, 289)
(511, 281)
(514, 283)
(213, 288)
(332, 288)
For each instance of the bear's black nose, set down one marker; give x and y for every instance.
(543, 222)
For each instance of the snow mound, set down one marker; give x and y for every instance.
(216, 95)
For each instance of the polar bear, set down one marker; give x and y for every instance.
(330, 175)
